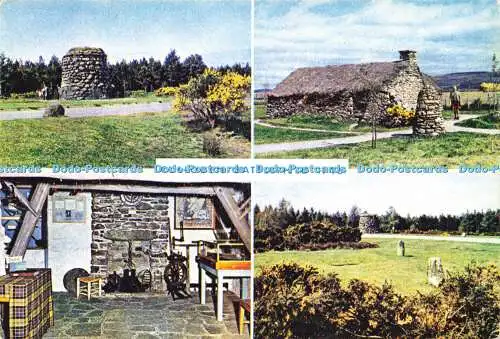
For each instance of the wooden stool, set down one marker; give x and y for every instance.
(89, 286)
(244, 308)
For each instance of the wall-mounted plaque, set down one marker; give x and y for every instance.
(194, 213)
(68, 209)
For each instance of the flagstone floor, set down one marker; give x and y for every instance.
(141, 316)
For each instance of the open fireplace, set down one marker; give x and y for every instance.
(130, 241)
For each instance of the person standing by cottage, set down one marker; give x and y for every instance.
(455, 102)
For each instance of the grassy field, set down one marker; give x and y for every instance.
(408, 274)
(469, 98)
(260, 111)
(487, 121)
(315, 122)
(269, 135)
(35, 104)
(115, 140)
(450, 149)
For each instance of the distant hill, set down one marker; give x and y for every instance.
(464, 80)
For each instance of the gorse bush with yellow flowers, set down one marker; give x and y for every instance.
(400, 114)
(212, 95)
(166, 91)
(490, 87)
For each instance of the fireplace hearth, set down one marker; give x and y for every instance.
(129, 282)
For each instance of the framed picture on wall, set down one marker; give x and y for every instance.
(194, 213)
(68, 209)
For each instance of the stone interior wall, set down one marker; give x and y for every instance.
(84, 74)
(428, 118)
(145, 224)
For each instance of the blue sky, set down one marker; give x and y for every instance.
(452, 193)
(218, 30)
(449, 35)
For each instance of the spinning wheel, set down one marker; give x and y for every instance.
(175, 275)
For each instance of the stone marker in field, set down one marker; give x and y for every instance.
(435, 273)
(84, 74)
(428, 119)
(401, 248)
(54, 110)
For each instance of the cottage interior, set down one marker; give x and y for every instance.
(180, 242)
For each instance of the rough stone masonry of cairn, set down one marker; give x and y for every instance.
(428, 118)
(84, 74)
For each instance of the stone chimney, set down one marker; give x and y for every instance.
(408, 55)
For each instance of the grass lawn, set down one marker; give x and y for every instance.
(269, 135)
(407, 274)
(35, 104)
(260, 111)
(450, 149)
(487, 121)
(323, 123)
(114, 140)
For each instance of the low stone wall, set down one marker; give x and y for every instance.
(84, 74)
(339, 106)
(428, 118)
(145, 224)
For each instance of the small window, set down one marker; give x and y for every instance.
(11, 215)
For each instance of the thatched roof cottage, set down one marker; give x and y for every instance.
(350, 92)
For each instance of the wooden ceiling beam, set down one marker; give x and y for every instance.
(19, 196)
(37, 201)
(232, 210)
(144, 189)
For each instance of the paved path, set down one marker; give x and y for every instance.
(79, 112)
(265, 124)
(312, 144)
(475, 239)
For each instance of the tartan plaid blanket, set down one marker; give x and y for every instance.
(29, 312)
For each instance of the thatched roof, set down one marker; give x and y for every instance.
(329, 79)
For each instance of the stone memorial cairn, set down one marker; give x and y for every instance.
(428, 119)
(84, 74)
(401, 248)
(368, 223)
(435, 273)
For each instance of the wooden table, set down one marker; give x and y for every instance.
(29, 312)
(220, 270)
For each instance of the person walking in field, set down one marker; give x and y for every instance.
(455, 102)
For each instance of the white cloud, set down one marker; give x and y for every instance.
(303, 36)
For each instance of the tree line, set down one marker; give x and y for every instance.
(284, 215)
(17, 76)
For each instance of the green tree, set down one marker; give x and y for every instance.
(172, 69)
(193, 66)
(490, 222)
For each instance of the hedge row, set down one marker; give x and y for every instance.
(310, 235)
(293, 301)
